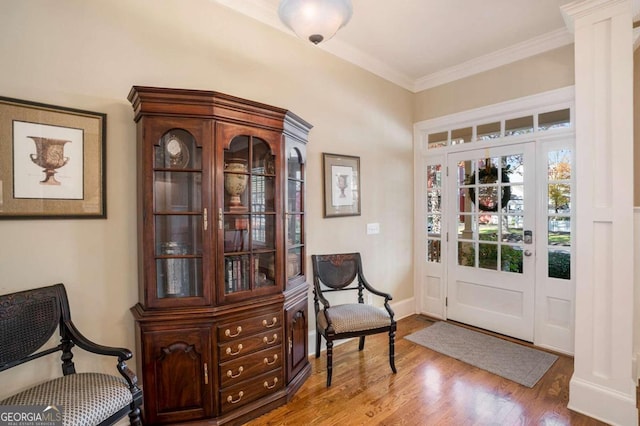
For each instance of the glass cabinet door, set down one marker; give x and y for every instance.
(295, 217)
(248, 217)
(177, 215)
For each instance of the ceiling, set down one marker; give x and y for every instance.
(419, 44)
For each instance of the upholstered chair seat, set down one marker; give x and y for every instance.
(353, 317)
(86, 399)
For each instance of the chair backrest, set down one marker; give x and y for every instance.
(336, 271)
(28, 319)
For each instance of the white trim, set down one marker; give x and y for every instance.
(537, 45)
(503, 109)
(602, 403)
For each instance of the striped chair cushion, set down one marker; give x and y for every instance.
(354, 317)
(86, 398)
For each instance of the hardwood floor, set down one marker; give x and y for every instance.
(429, 389)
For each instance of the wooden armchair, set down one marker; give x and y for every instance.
(27, 320)
(340, 273)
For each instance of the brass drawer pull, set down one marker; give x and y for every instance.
(232, 401)
(266, 341)
(275, 382)
(266, 360)
(274, 320)
(229, 352)
(227, 332)
(233, 376)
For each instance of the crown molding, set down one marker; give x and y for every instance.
(261, 11)
(528, 48)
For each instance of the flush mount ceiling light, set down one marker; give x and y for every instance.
(315, 20)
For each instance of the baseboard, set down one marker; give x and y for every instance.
(607, 405)
(401, 309)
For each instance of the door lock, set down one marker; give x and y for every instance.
(528, 237)
(528, 252)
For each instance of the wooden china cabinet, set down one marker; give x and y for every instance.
(222, 318)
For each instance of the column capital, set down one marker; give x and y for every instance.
(581, 8)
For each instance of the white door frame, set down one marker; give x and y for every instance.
(430, 277)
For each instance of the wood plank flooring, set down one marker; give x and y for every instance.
(429, 389)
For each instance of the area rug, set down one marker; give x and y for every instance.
(510, 360)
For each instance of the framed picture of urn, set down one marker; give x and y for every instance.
(52, 161)
(341, 185)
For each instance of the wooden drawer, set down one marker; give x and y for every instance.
(247, 326)
(250, 366)
(236, 396)
(241, 347)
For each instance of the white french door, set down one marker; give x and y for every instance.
(491, 196)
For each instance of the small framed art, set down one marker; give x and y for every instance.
(52, 161)
(341, 185)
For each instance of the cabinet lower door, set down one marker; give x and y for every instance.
(178, 373)
(297, 344)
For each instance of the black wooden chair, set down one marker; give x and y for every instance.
(27, 320)
(340, 273)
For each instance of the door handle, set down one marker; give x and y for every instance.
(528, 253)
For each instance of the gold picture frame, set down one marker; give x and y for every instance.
(341, 185)
(52, 161)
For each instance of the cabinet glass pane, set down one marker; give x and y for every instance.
(179, 277)
(294, 263)
(236, 233)
(237, 273)
(294, 164)
(177, 191)
(177, 149)
(264, 269)
(294, 229)
(262, 193)
(294, 193)
(178, 234)
(262, 231)
(236, 177)
(263, 161)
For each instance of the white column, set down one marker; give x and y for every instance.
(603, 385)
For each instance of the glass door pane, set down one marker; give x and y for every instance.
(178, 210)
(248, 215)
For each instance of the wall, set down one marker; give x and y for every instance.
(540, 73)
(87, 55)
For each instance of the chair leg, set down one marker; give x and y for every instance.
(318, 343)
(392, 356)
(134, 417)
(361, 344)
(329, 361)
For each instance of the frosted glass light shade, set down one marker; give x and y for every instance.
(315, 20)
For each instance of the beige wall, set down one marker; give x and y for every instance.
(540, 73)
(88, 54)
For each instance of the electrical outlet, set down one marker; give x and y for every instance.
(369, 299)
